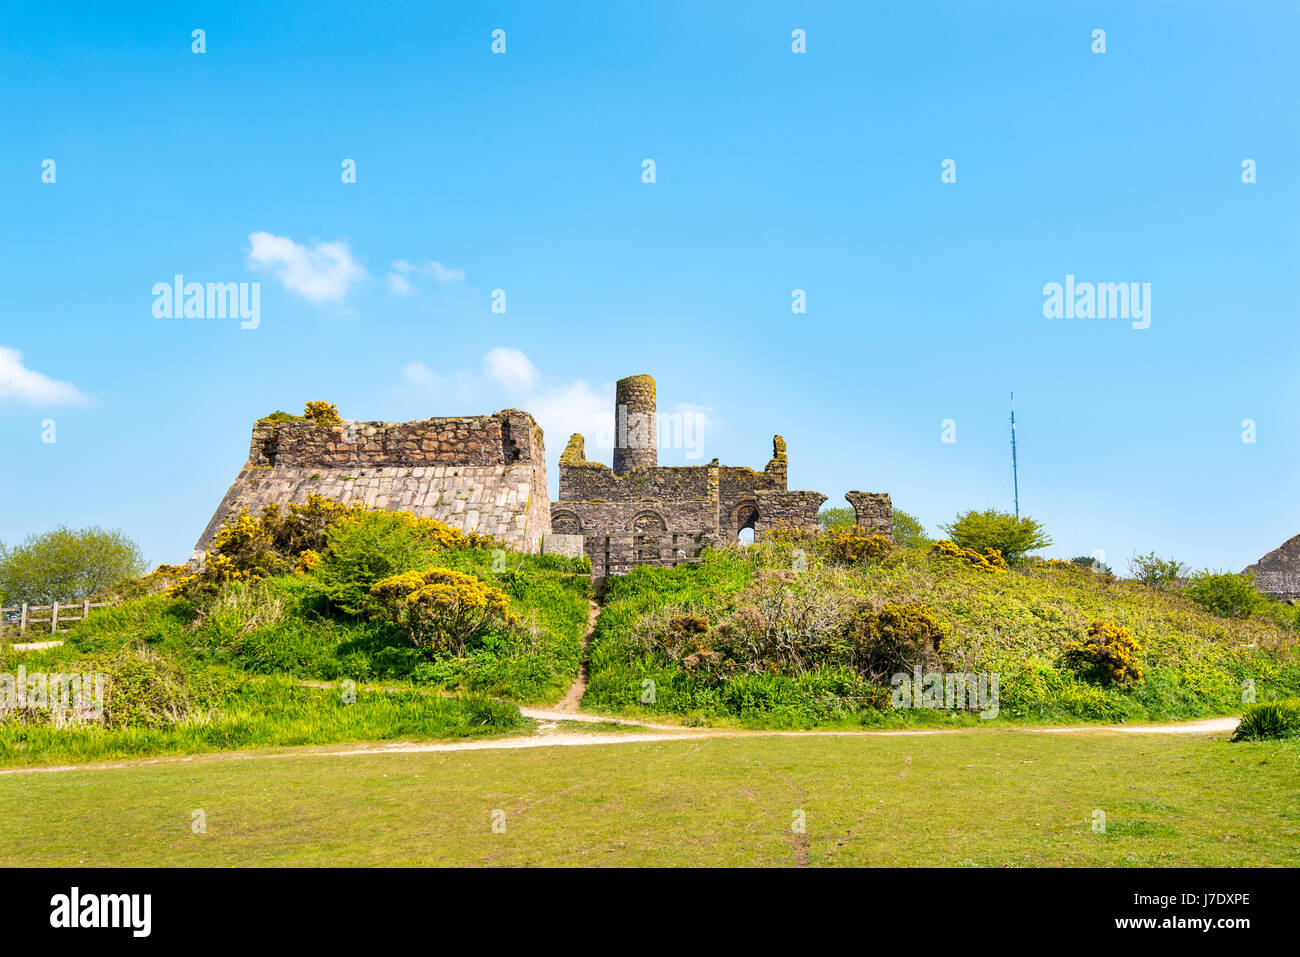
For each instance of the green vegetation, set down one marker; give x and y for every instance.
(1273, 719)
(837, 516)
(1011, 536)
(987, 798)
(319, 412)
(785, 648)
(1153, 571)
(909, 532)
(1226, 594)
(218, 659)
(67, 565)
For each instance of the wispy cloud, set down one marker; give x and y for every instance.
(322, 273)
(26, 385)
(401, 278)
(510, 369)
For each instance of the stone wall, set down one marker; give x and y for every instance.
(1278, 572)
(617, 508)
(483, 473)
(874, 511)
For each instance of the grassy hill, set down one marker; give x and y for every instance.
(267, 662)
(1015, 623)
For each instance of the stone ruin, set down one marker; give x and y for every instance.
(487, 474)
(483, 474)
(1278, 572)
(655, 513)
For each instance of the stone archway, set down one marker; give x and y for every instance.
(744, 519)
(565, 523)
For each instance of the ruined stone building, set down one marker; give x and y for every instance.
(483, 473)
(1278, 572)
(670, 509)
(488, 474)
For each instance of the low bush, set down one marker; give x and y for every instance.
(852, 544)
(991, 561)
(1269, 720)
(1225, 594)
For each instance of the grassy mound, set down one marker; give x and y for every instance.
(236, 668)
(782, 617)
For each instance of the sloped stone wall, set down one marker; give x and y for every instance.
(485, 474)
(1278, 572)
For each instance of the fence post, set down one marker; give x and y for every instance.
(54, 618)
(22, 621)
(85, 609)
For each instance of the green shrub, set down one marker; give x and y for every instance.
(366, 549)
(67, 565)
(143, 689)
(1269, 720)
(1010, 535)
(836, 517)
(1225, 594)
(1153, 571)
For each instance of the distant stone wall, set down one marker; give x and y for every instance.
(1278, 572)
(797, 510)
(874, 511)
(484, 474)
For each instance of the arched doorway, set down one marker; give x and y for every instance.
(743, 519)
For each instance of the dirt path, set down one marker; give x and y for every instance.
(581, 739)
(573, 697)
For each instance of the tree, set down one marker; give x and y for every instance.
(67, 565)
(909, 532)
(1013, 536)
(836, 517)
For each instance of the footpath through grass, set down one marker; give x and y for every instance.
(982, 798)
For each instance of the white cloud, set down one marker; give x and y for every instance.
(443, 274)
(21, 383)
(576, 407)
(511, 369)
(399, 280)
(320, 274)
(420, 375)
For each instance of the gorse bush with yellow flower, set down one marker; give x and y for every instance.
(991, 561)
(441, 609)
(1109, 654)
(852, 544)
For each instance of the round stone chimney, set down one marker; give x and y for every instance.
(636, 428)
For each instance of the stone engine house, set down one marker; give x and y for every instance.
(483, 473)
(672, 506)
(488, 474)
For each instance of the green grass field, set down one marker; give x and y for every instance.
(979, 798)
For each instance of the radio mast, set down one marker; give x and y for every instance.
(1015, 476)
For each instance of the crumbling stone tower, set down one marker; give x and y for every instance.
(649, 507)
(636, 426)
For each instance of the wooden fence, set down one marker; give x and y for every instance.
(618, 554)
(19, 618)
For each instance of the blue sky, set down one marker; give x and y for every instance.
(775, 171)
